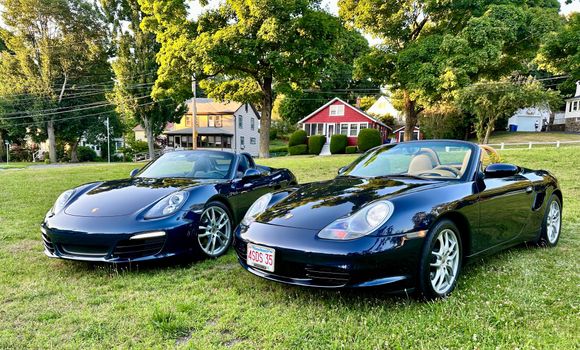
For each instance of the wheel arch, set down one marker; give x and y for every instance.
(465, 232)
(223, 200)
(558, 193)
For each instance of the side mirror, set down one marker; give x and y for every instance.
(498, 170)
(251, 174)
(134, 172)
(342, 169)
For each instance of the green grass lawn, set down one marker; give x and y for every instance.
(526, 297)
(516, 137)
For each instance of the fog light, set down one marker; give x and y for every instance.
(149, 235)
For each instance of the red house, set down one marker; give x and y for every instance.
(339, 117)
(400, 134)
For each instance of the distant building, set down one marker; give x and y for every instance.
(572, 111)
(400, 134)
(383, 107)
(230, 126)
(530, 119)
(339, 117)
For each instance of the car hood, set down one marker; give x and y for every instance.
(315, 205)
(125, 197)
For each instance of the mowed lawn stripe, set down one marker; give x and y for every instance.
(523, 298)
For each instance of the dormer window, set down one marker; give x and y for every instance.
(336, 110)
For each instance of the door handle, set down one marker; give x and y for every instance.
(529, 189)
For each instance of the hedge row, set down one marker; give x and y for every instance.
(338, 144)
(298, 150)
(315, 143)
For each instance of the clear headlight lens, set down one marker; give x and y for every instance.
(168, 205)
(360, 223)
(259, 206)
(61, 201)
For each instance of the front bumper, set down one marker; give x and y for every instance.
(303, 259)
(109, 240)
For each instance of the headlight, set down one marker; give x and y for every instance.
(61, 201)
(259, 206)
(360, 223)
(167, 205)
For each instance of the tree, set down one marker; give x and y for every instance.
(430, 49)
(491, 101)
(560, 52)
(49, 46)
(247, 50)
(135, 71)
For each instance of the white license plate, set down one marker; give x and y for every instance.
(261, 257)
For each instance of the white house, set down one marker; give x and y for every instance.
(572, 112)
(526, 119)
(228, 126)
(383, 107)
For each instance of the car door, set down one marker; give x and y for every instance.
(504, 207)
(249, 189)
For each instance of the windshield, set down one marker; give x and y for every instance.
(436, 160)
(191, 164)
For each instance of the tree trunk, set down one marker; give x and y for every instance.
(266, 118)
(488, 131)
(51, 141)
(74, 157)
(410, 116)
(2, 150)
(150, 138)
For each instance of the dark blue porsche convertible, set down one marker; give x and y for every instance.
(405, 216)
(182, 203)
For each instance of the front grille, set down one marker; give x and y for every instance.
(137, 248)
(48, 245)
(84, 250)
(328, 275)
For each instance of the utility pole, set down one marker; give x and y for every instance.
(194, 111)
(7, 143)
(108, 142)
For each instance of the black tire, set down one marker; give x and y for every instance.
(546, 238)
(218, 207)
(450, 266)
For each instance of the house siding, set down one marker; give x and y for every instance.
(246, 131)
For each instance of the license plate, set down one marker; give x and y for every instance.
(261, 257)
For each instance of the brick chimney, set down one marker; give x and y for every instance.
(358, 98)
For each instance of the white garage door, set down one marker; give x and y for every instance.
(527, 123)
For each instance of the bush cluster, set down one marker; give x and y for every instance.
(351, 149)
(315, 143)
(368, 138)
(298, 150)
(338, 144)
(298, 137)
(86, 154)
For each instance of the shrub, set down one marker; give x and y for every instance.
(279, 151)
(350, 149)
(315, 143)
(86, 154)
(273, 134)
(338, 143)
(297, 150)
(368, 138)
(298, 137)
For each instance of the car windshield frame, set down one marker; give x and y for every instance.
(467, 174)
(191, 153)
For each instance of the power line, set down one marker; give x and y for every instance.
(87, 106)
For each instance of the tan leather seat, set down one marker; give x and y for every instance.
(465, 163)
(420, 164)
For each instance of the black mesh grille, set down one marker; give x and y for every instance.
(137, 248)
(84, 250)
(328, 275)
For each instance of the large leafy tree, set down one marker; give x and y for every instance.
(245, 50)
(560, 52)
(490, 101)
(430, 49)
(135, 69)
(51, 46)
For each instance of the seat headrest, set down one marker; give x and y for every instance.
(420, 163)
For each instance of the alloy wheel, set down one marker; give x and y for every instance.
(553, 222)
(215, 231)
(444, 264)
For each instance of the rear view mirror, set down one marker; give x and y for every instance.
(134, 172)
(252, 173)
(498, 170)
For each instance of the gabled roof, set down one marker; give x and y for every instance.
(346, 104)
(402, 127)
(208, 106)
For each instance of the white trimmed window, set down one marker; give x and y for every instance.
(336, 110)
(252, 140)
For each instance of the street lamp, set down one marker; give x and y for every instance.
(7, 143)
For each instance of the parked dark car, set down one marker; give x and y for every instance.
(182, 203)
(406, 216)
